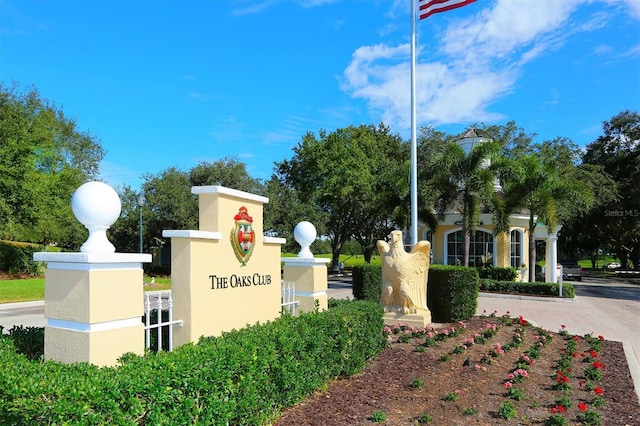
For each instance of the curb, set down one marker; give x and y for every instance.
(20, 305)
(634, 366)
(525, 297)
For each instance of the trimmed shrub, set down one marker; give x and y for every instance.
(452, 293)
(539, 288)
(367, 282)
(18, 258)
(498, 273)
(243, 377)
(28, 341)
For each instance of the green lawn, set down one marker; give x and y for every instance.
(22, 290)
(25, 290)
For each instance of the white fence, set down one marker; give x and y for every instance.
(158, 319)
(288, 299)
(159, 322)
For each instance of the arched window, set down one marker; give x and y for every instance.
(516, 248)
(480, 248)
(427, 235)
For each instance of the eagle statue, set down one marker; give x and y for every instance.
(404, 275)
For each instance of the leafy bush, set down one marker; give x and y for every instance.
(242, 377)
(378, 417)
(507, 411)
(18, 258)
(498, 273)
(545, 289)
(367, 282)
(28, 341)
(452, 293)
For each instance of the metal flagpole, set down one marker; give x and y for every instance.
(414, 143)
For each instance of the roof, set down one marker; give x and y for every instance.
(476, 133)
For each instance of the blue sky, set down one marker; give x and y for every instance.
(165, 83)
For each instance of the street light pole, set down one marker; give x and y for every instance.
(141, 202)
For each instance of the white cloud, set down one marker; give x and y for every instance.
(478, 61)
(632, 6)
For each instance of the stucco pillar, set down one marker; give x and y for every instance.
(93, 306)
(308, 274)
(551, 261)
(310, 279)
(93, 300)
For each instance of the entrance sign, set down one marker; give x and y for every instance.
(221, 283)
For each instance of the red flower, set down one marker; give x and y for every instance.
(598, 365)
(601, 337)
(574, 354)
(599, 391)
(576, 338)
(582, 406)
(563, 326)
(561, 409)
(593, 353)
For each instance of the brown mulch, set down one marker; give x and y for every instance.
(14, 276)
(408, 386)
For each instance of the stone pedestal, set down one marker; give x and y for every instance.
(93, 306)
(310, 278)
(420, 319)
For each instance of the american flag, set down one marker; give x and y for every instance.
(429, 7)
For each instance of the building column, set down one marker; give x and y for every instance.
(551, 258)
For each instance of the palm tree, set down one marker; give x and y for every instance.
(545, 191)
(466, 182)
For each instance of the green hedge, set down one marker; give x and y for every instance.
(244, 377)
(367, 282)
(545, 289)
(17, 257)
(498, 273)
(452, 293)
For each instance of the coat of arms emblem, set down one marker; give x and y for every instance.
(243, 236)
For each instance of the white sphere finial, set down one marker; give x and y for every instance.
(305, 234)
(97, 206)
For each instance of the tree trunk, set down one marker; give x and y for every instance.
(466, 243)
(336, 248)
(367, 252)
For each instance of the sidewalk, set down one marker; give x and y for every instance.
(28, 314)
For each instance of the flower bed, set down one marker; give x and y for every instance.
(507, 376)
